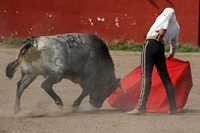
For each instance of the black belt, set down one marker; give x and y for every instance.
(152, 39)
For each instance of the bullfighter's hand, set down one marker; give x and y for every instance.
(160, 34)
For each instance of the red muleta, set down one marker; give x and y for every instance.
(127, 97)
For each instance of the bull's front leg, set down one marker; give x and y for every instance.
(78, 101)
(21, 86)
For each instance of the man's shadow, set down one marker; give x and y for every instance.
(189, 112)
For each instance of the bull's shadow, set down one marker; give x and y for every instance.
(78, 113)
(72, 113)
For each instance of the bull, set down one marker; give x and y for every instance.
(82, 58)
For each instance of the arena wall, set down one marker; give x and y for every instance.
(110, 19)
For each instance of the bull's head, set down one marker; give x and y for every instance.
(99, 95)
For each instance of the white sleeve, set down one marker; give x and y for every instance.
(166, 20)
(175, 41)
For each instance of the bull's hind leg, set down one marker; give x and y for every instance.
(22, 84)
(47, 85)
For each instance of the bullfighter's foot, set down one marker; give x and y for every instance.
(136, 112)
(172, 112)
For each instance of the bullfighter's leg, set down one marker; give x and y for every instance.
(78, 101)
(170, 90)
(22, 84)
(47, 85)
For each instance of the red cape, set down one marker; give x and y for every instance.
(127, 97)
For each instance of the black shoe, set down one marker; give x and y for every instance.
(172, 111)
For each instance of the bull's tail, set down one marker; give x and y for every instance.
(12, 66)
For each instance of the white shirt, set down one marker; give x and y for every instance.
(166, 20)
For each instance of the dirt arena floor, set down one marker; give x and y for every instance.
(40, 115)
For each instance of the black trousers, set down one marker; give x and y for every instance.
(153, 54)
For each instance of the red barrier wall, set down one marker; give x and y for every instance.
(111, 19)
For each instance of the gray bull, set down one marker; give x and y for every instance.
(79, 57)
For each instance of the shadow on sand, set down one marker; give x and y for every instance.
(184, 112)
(74, 113)
(190, 112)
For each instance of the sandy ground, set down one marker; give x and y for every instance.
(40, 115)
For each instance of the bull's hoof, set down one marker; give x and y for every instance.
(95, 105)
(75, 109)
(17, 109)
(60, 107)
(76, 104)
